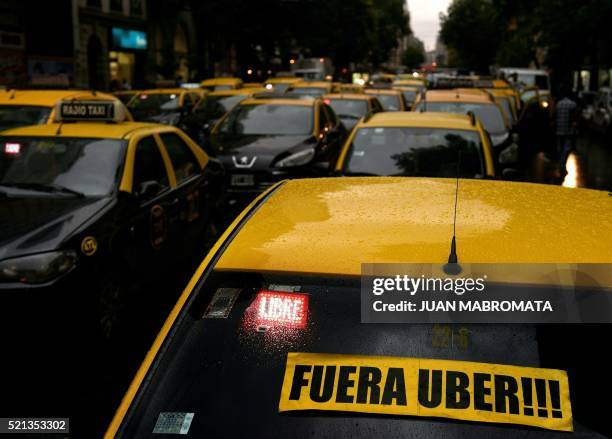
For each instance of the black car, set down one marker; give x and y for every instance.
(263, 141)
(93, 216)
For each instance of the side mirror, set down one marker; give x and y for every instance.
(509, 156)
(148, 189)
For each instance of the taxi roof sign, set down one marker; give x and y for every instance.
(90, 111)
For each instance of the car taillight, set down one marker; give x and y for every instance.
(275, 308)
(327, 101)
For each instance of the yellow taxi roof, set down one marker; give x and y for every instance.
(457, 96)
(351, 96)
(414, 82)
(295, 102)
(418, 119)
(237, 91)
(221, 81)
(286, 80)
(103, 130)
(47, 98)
(382, 91)
(162, 91)
(308, 84)
(333, 225)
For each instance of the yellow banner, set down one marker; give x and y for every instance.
(464, 390)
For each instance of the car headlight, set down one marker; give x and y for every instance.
(297, 159)
(37, 269)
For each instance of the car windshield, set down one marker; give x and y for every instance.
(389, 102)
(349, 108)
(421, 152)
(269, 119)
(149, 104)
(13, 116)
(490, 114)
(310, 91)
(280, 87)
(217, 106)
(87, 166)
(223, 359)
(409, 95)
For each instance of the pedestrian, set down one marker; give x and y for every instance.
(565, 129)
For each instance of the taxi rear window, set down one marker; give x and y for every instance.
(418, 152)
(269, 119)
(349, 108)
(14, 116)
(88, 166)
(490, 115)
(227, 357)
(389, 102)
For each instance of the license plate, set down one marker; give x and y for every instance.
(243, 180)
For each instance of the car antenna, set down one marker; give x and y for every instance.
(452, 267)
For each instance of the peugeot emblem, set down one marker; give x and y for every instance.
(243, 161)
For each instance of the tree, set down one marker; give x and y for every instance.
(471, 28)
(413, 56)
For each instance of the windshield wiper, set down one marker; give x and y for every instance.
(44, 187)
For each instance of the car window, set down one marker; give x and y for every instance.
(13, 116)
(350, 108)
(418, 152)
(148, 164)
(389, 102)
(268, 119)
(331, 115)
(89, 166)
(490, 114)
(184, 162)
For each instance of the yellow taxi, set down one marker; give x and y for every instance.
(391, 100)
(311, 88)
(253, 85)
(267, 339)
(350, 107)
(215, 84)
(164, 105)
(477, 101)
(33, 107)
(417, 144)
(281, 84)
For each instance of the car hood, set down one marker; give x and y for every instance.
(42, 223)
(238, 152)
